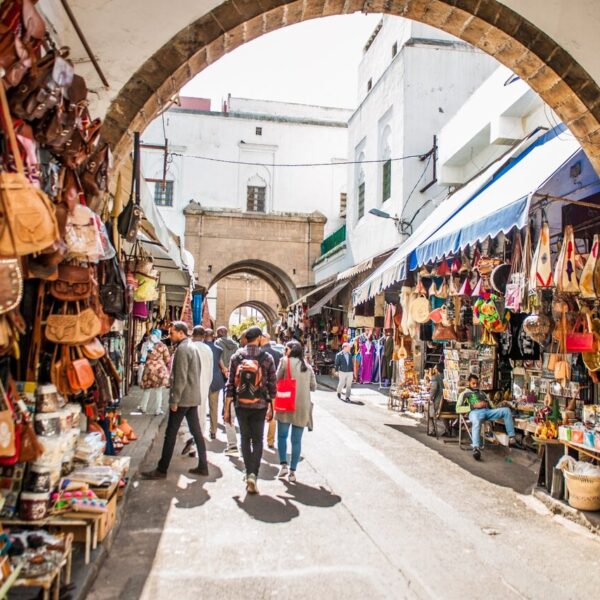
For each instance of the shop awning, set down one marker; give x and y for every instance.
(318, 307)
(504, 202)
(355, 270)
(318, 289)
(497, 208)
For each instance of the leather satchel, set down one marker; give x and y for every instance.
(130, 218)
(72, 329)
(11, 284)
(94, 349)
(112, 289)
(80, 374)
(74, 283)
(443, 333)
(95, 174)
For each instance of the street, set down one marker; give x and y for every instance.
(375, 514)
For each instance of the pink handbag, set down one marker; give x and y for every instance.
(140, 310)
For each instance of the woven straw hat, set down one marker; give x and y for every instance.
(420, 309)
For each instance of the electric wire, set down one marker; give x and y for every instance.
(328, 164)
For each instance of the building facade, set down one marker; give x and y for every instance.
(412, 80)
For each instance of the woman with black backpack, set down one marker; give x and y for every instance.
(295, 366)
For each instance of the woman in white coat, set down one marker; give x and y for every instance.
(301, 418)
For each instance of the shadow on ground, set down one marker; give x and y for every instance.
(512, 468)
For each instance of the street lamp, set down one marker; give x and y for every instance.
(402, 226)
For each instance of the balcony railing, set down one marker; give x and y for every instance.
(333, 240)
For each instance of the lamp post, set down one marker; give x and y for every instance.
(402, 226)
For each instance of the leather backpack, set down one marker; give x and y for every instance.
(74, 283)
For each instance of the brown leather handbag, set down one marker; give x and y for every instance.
(80, 374)
(94, 349)
(27, 217)
(72, 329)
(11, 284)
(95, 174)
(74, 283)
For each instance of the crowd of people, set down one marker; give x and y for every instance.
(205, 368)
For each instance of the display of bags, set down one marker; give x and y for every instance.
(72, 329)
(565, 275)
(285, 400)
(11, 284)
(27, 218)
(74, 283)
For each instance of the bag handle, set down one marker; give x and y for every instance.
(10, 130)
(34, 351)
(289, 369)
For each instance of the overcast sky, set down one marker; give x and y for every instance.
(314, 62)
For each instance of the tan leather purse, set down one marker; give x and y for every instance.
(80, 374)
(11, 284)
(74, 283)
(27, 217)
(72, 329)
(94, 349)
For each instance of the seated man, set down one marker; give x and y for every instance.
(478, 405)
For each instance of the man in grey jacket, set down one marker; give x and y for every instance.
(226, 344)
(184, 400)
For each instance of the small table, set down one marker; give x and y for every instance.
(590, 452)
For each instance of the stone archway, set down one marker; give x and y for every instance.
(487, 24)
(265, 310)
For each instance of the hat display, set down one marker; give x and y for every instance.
(420, 309)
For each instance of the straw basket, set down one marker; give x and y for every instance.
(584, 491)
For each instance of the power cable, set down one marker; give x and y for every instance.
(328, 164)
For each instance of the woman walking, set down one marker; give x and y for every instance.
(155, 357)
(302, 416)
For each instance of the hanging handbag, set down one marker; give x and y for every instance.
(74, 283)
(8, 443)
(578, 339)
(565, 275)
(94, 349)
(82, 236)
(80, 373)
(562, 366)
(140, 310)
(587, 281)
(58, 370)
(95, 172)
(540, 274)
(72, 329)
(11, 284)
(285, 399)
(130, 218)
(112, 289)
(443, 333)
(147, 289)
(27, 217)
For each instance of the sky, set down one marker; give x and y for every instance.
(315, 62)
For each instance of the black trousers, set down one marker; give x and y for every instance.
(252, 430)
(190, 413)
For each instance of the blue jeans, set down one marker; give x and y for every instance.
(479, 415)
(283, 430)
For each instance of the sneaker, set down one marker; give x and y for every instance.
(192, 454)
(476, 453)
(199, 471)
(187, 446)
(512, 441)
(159, 413)
(348, 400)
(283, 471)
(140, 409)
(271, 446)
(213, 436)
(339, 396)
(292, 477)
(251, 487)
(233, 451)
(154, 474)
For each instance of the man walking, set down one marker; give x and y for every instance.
(207, 372)
(217, 384)
(345, 370)
(226, 344)
(229, 348)
(183, 402)
(277, 356)
(252, 384)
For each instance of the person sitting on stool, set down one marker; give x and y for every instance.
(345, 371)
(478, 405)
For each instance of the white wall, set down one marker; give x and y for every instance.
(314, 134)
(418, 92)
(501, 112)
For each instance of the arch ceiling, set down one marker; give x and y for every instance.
(148, 49)
(267, 311)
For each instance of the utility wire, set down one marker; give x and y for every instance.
(328, 164)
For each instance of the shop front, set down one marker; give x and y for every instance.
(502, 282)
(86, 267)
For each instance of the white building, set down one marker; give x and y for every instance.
(258, 132)
(499, 114)
(412, 79)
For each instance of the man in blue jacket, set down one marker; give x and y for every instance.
(345, 371)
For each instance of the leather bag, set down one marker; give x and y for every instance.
(72, 329)
(80, 374)
(443, 333)
(94, 349)
(95, 174)
(82, 236)
(27, 217)
(74, 283)
(112, 289)
(11, 284)
(130, 218)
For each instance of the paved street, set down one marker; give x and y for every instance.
(375, 514)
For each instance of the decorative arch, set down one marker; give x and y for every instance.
(267, 311)
(280, 282)
(487, 24)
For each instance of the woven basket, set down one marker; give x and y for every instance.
(584, 491)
